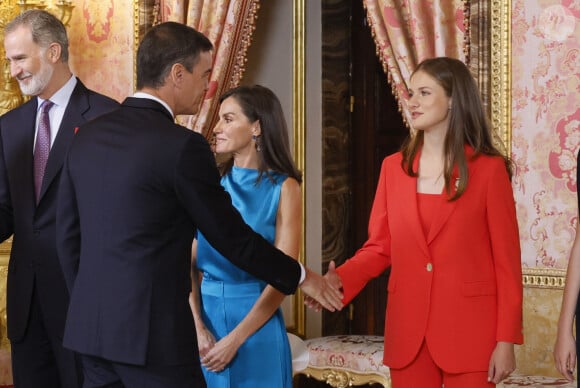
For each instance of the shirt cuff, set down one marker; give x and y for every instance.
(302, 273)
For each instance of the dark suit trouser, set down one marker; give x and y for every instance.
(39, 360)
(101, 373)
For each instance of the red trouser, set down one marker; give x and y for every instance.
(424, 373)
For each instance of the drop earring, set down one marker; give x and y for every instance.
(258, 141)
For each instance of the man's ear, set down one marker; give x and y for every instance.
(54, 52)
(176, 73)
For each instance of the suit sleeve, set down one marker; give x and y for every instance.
(67, 228)
(505, 245)
(6, 215)
(209, 205)
(375, 255)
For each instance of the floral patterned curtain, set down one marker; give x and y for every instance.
(229, 25)
(408, 31)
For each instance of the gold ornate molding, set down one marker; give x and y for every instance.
(341, 378)
(60, 8)
(500, 71)
(5, 249)
(298, 110)
(10, 95)
(544, 278)
(4, 342)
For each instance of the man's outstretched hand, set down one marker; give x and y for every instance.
(323, 291)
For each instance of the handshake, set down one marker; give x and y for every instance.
(323, 291)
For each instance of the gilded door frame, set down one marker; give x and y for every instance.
(298, 324)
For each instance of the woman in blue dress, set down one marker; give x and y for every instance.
(240, 329)
(567, 349)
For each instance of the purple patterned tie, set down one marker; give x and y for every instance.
(42, 146)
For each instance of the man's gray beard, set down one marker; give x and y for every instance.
(38, 81)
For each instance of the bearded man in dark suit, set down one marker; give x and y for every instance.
(135, 188)
(36, 46)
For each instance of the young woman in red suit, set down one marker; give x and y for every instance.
(444, 220)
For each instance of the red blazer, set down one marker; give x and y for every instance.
(459, 288)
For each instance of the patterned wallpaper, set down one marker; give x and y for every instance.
(101, 34)
(546, 126)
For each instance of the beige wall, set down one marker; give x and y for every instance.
(314, 150)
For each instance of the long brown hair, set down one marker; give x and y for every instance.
(468, 123)
(260, 103)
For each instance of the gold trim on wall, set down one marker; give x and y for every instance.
(5, 249)
(500, 71)
(544, 278)
(298, 109)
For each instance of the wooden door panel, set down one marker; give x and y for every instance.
(377, 130)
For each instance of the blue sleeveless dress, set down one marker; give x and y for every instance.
(228, 293)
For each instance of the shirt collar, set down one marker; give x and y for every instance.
(152, 97)
(62, 95)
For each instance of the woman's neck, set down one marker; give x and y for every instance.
(431, 164)
(246, 160)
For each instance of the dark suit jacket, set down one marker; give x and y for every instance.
(33, 253)
(135, 188)
(459, 287)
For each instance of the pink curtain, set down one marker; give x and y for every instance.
(408, 31)
(229, 24)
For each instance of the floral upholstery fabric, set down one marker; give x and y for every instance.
(359, 353)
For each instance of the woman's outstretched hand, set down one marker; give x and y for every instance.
(332, 278)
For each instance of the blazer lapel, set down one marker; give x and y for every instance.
(409, 187)
(73, 116)
(24, 141)
(448, 207)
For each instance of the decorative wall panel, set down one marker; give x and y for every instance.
(545, 125)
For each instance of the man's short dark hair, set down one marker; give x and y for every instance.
(165, 45)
